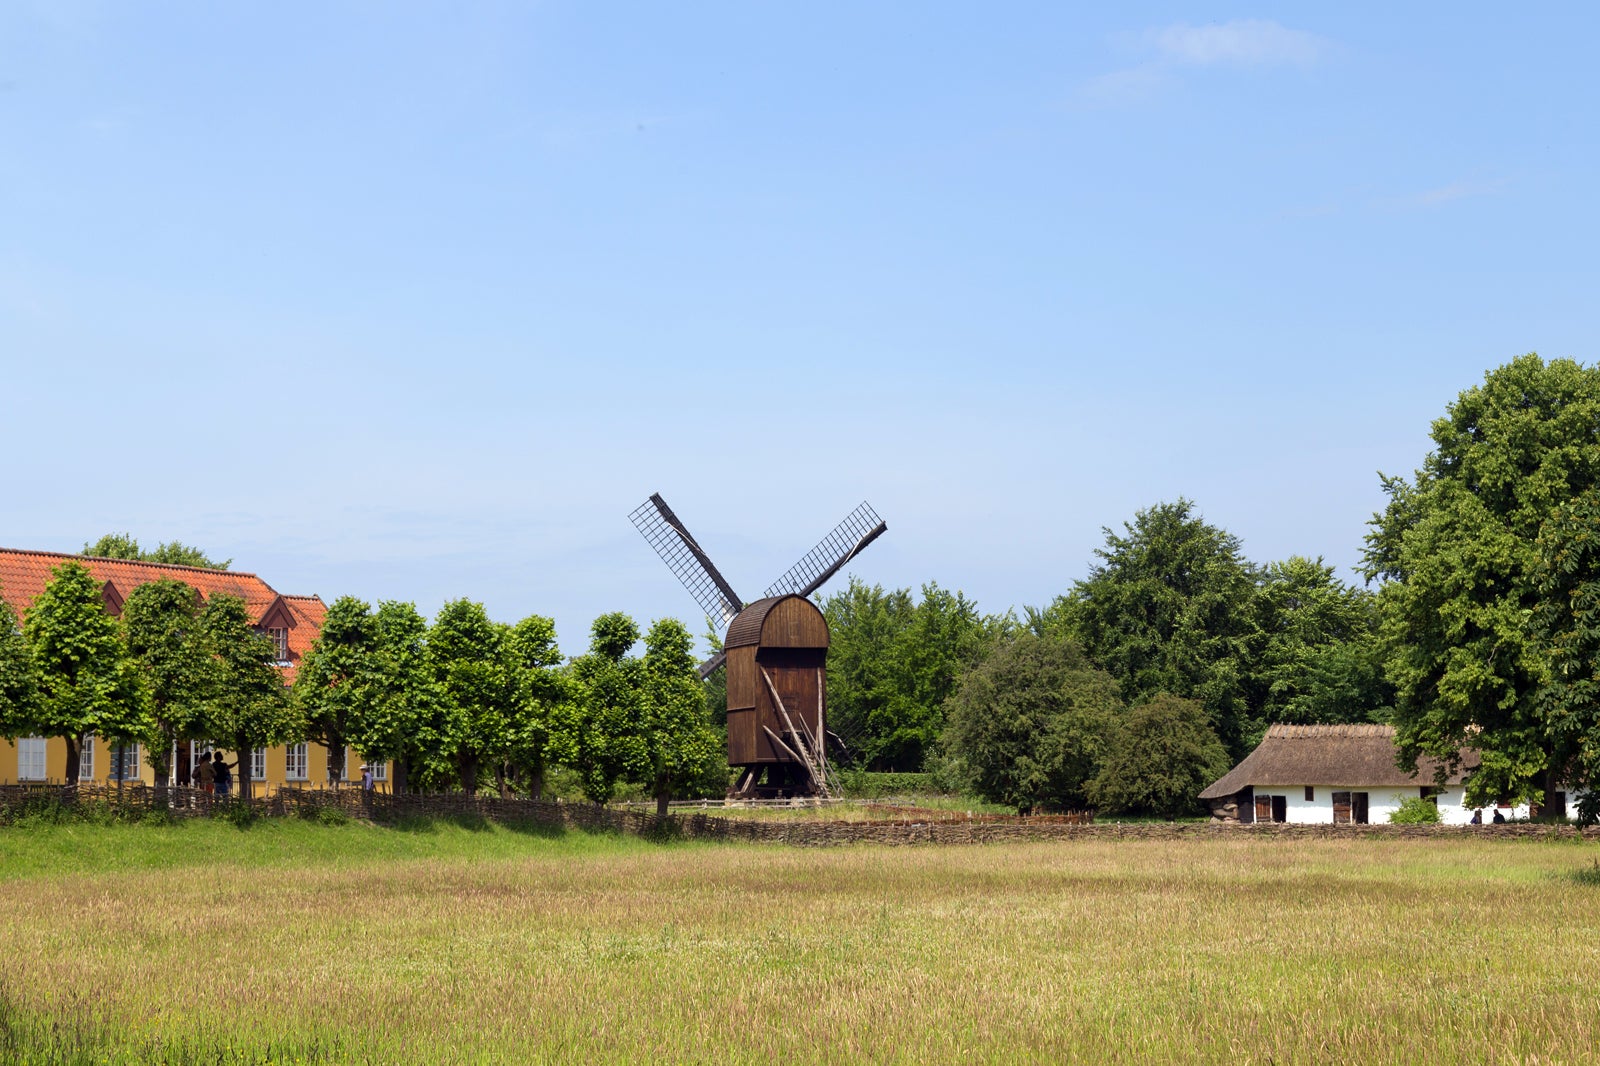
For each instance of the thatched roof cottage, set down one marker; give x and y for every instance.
(1338, 774)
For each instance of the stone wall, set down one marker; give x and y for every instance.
(932, 827)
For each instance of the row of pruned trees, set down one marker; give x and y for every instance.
(452, 704)
(467, 699)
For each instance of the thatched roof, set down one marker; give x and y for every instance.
(1358, 755)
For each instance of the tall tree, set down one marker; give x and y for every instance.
(476, 690)
(1028, 727)
(18, 683)
(334, 684)
(1567, 621)
(599, 736)
(1458, 549)
(542, 690)
(892, 663)
(1319, 659)
(677, 738)
(400, 723)
(165, 642)
(250, 706)
(86, 683)
(171, 553)
(1168, 608)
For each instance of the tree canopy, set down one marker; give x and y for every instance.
(1458, 548)
(166, 644)
(1161, 754)
(1029, 725)
(85, 682)
(170, 553)
(893, 661)
(249, 707)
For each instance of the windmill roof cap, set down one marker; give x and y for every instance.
(796, 622)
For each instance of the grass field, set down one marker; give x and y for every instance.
(298, 942)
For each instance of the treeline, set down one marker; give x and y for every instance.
(451, 704)
(1478, 632)
(1131, 691)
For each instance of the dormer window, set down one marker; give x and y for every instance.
(280, 643)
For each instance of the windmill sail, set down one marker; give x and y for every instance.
(678, 549)
(859, 528)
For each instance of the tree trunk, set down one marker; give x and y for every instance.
(242, 771)
(536, 782)
(663, 795)
(469, 774)
(500, 783)
(398, 785)
(74, 749)
(161, 762)
(336, 756)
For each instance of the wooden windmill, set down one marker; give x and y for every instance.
(775, 651)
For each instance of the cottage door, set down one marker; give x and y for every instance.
(1280, 808)
(1341, 808)
(1358, 807)
(1263, 808)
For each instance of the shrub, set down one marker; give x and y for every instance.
(1162, 754)
(332, 816)
(1414, 810)
(863, 784)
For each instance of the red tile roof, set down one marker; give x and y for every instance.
(24, 574)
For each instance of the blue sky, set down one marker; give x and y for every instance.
(417, 302)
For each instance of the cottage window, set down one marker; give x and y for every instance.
(125, 762)
(1311, 793)
(86, 759)
(30, 759)
(280, 643)
(258, 764)
(380, 770)
(295, 762)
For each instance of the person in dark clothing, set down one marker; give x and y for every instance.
(1499, 819)
(220, 772)
(1477, 817)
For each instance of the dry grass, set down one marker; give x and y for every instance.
(459, 946)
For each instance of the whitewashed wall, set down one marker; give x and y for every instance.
(1381, 802)
(1319, 809)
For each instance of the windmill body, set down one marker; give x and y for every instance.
(775, 651)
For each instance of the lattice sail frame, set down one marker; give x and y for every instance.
(859, 528)
(683, 556)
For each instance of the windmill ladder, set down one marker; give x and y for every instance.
(803, 740)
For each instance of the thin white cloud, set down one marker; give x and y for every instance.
(1180, 47)
(1457, 190)
(1242, 43)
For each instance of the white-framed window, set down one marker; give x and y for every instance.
(295, 766)
(124, 762)
(86, 759)
(30, 759)
(258, 764)
(280, 643)
(380, 770)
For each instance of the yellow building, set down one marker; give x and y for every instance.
(292, 622)
(296, 765)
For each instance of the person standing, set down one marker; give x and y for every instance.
(366, 778)
(204, 778)
(224, 778)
